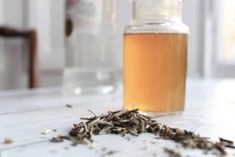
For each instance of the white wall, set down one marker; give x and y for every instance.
(47, 17)
(13, 57)
(1, 45)
(193, 12)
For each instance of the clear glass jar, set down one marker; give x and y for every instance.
(155, 57)
(90, 47)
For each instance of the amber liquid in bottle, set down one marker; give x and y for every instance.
(155, 71)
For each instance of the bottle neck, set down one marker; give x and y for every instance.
(156, 11)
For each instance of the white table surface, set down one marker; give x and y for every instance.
(210, 111)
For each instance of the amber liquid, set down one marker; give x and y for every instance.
(155, 71)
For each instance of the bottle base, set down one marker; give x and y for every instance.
(82, 81)
(159, 114)
(100, 90)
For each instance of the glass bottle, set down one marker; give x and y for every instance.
(90, 47)
(155, 57)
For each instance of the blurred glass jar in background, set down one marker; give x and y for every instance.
(90, 65)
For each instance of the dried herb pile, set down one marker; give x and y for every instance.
(134, 123)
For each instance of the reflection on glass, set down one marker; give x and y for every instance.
(229, 28)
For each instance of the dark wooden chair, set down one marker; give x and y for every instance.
(31, 37)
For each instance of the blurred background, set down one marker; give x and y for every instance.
(211, 45)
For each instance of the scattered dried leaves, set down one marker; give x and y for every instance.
(132, 122)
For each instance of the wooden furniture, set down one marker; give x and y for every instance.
(31, 37)
(24, 115)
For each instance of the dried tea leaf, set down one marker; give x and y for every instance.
(57, 139)
(172, 153)
(69, 106)
(8, 140)
(227, 143)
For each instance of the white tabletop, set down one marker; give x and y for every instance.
(24, 115)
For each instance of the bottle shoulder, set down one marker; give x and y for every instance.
(168, 27)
